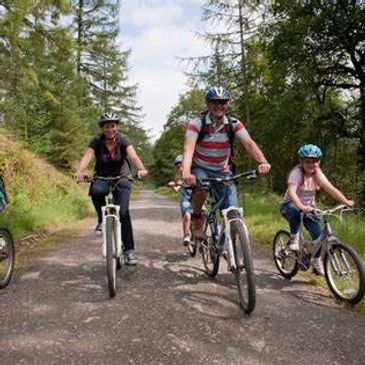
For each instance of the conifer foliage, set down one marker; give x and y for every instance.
(60, 66)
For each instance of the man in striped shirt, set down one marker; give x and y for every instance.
(209, 156)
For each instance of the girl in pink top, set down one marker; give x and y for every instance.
(303, 183)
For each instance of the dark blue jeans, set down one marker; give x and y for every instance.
(293, 215)
(121, 195)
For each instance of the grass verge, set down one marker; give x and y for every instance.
(264, 220)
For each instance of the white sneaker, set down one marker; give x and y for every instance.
(186, 240)
(317, 265)
(98, 229)
(130, 258)
(294, 244)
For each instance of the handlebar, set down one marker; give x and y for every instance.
(342, 208)
(92, 178)
(249, 175)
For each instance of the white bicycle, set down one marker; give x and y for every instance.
(112, 248)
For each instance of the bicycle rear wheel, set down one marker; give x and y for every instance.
(191, 247)
(344, 273)
(111, 261)
(244, 273)
(210, 253)
(7, 257)
(285, 260)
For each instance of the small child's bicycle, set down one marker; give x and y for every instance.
(343, 268)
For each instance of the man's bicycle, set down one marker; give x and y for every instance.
(112, 248)
(229, 239)
(344, 270)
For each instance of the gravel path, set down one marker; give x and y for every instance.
(166, 310)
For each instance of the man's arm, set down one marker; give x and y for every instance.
(189, 147)
(254, 151)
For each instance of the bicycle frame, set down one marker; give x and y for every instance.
(232, 265)
(326, 236)
(110, 210)
(225, 231)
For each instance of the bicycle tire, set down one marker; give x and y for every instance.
(281, 257)
(210, 254)
(348, 289)
(111, 261)
(244, 272)
(7, 257)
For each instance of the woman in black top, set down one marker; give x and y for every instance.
(111, 150)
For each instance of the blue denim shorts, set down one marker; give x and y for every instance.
(185, 201)
(229, 191)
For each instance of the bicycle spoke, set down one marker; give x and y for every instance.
(285, 260)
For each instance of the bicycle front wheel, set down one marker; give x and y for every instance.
(244, 273)
(285, 259)
(111, 261)
(7, 257)
(344, 273)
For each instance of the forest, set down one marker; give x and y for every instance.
(296, 71)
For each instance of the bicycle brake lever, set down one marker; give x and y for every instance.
(253, 175)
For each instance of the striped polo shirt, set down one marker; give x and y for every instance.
(214, 150)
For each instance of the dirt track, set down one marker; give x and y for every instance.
(166, 310)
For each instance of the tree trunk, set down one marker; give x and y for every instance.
(243, 63)
(79, 35)
(361, 151)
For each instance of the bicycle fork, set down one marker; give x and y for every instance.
(228, 244)
(340, 269)
(117, 250)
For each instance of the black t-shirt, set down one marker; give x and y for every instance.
(105, 164)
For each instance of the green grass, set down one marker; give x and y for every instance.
(264, 220)
(168, 192)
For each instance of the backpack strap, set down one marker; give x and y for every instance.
(204, 127)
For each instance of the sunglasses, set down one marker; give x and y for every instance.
(219, 102)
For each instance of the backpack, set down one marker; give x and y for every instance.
(230, 133)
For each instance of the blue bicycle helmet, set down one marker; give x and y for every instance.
(310, 150)
(178, 160)
(217, 93)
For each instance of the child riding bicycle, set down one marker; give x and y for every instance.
(185, 200)
(304, 181)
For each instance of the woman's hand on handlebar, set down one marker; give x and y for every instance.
(79, 176)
